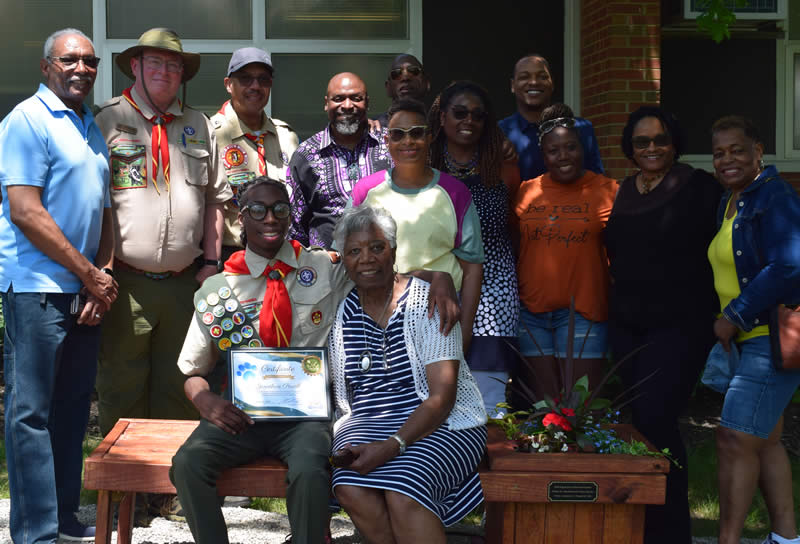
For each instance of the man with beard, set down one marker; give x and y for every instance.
(250, 143)
(406, 79)
(56, 249)
(325, 167)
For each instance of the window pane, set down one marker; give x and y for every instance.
(796, 139)
(340, 19)
(301, 81)
(24, 27)
(205, 91)
(191, 19)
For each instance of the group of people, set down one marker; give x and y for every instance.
(425, 249)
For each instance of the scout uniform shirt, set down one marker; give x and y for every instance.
(160, 226)
(238, 155)
(316, 286)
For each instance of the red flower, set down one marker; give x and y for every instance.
(558, 420)
(568, 411)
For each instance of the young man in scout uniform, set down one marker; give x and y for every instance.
(274, 293)
(167, 191)
(56, 240)
(250, 142)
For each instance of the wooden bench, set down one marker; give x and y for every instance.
(136, 456)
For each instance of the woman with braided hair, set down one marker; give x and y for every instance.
(467, 144)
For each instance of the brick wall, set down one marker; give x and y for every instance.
(620, 69)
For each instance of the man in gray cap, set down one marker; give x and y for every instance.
(167, 193)
(250, 143)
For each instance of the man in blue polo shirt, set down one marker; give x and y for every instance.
(56, 249)
(532, 86)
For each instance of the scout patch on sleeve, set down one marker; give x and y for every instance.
(128, 166)
(233, 155)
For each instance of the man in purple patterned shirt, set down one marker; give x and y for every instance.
(324, 169)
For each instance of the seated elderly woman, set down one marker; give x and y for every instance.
(413, 427)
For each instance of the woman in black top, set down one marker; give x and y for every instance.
(662, 293)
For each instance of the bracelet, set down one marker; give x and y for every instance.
(401, 442)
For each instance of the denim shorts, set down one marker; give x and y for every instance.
(549, 330)
(758, 393)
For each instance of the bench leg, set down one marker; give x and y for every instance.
(125, 518)
(104, 515)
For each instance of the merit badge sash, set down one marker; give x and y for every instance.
(222, 316)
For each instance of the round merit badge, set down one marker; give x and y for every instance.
(247, 331)
(224, 343)
(233, 156)
(236, 338)
(316, 317)
(208, 318)
(201, 306)
(312, 365)
(231, 305)
(219, 310)
(227, 324)
(238, 318)
(254, 343)
(216, 331)
(306, 276)
(224, 292)
(212, 299)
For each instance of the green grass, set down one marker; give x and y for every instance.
(704, 498)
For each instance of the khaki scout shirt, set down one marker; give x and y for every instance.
(239, 157)
(160, 232)
(316, 287)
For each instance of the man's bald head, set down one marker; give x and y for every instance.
(346, 102)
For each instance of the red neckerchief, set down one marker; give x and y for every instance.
(275, 319)
(159, 142)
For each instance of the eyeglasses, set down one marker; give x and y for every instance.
(412, 70)
(258, 211)
(70, 62)
(417, 132)
(460, 113)
(155, 64)
(643, 142)
(246, 80)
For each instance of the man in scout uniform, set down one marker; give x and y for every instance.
(168, 192)
(250, 143)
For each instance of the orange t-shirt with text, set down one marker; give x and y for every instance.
(561, 248)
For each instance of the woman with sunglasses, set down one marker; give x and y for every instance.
(467, 144)
(662, 296)
(561, 216)
(437, 224)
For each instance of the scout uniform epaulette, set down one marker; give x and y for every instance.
(222, 316)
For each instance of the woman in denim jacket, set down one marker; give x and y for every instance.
(756, 261)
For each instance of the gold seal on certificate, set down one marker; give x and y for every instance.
(281, 384)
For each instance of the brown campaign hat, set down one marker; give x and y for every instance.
(166, 40)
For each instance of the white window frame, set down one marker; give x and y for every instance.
(107, 47)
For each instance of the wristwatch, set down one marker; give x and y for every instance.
(401, 442)
(213, 262)
(108, 271)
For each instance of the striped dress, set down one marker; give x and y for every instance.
(438, 471)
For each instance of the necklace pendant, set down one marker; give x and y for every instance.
(366, 361)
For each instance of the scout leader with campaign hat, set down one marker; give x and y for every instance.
(167, 192)
(250, 143)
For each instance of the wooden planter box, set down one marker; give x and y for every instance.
(585, 498)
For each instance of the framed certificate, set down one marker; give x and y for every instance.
(281, 384)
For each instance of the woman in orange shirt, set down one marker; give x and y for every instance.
(561, 217)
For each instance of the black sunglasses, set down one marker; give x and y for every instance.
(258, 211)
(70, 62)
(246, 80)
(398, 72)
(460, 113)
(417, 132)
(643, 142)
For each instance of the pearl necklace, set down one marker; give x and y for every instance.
(366, 356)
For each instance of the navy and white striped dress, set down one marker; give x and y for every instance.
(438, 471)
